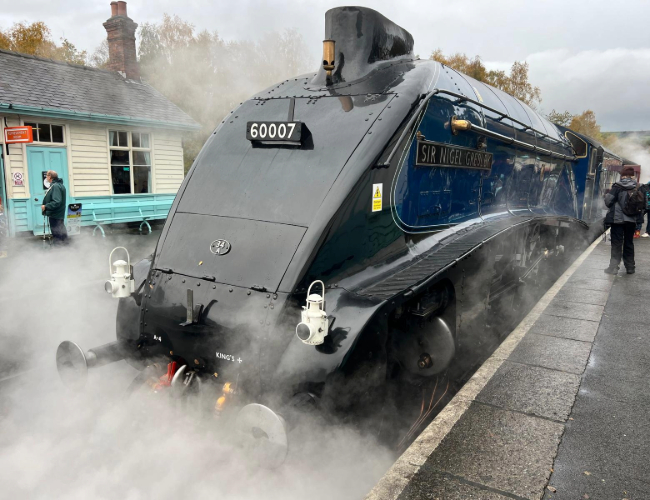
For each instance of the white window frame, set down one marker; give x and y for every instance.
(130, 149)
(51, 144)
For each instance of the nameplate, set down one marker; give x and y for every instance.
(436, 154)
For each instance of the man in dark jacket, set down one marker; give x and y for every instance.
(622, 225)
(54, 207)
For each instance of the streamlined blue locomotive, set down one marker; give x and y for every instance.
(342, 229)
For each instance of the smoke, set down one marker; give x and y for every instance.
(95, 444)
(635, 148)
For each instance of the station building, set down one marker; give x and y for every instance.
(114, 140)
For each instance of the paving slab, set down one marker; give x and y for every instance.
(568, 328)
(531, 389)
(588, 283)
(593, 274)
(626, 386)
(595, 297)
(552, 352)
(431, 484)
(607, 436)
(574, 310)
(574, 484)
(500, 449)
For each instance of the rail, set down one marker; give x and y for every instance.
(509, 140)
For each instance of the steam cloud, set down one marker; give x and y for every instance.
(94, 444)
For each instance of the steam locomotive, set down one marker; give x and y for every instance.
(348, 227)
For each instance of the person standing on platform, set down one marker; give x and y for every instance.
(645, 188)
(622, 201)
(54, 207)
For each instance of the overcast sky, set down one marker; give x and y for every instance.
(582, 54)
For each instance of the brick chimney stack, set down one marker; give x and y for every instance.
(121, 42)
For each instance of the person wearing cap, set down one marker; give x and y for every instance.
(622, 225)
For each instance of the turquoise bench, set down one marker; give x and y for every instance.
(126, 212)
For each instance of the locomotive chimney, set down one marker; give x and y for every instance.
(120, 30)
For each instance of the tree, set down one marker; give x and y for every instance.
(562, 119)
(586, 124)
(99, 58)
(206, 76)
(516, 83)
(68, 52)
(36, 39)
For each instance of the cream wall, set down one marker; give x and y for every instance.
(89, 160)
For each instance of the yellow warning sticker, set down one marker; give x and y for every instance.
(377, 191)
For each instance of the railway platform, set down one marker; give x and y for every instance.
(559, 411)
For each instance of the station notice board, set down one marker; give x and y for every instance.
(19, 135)
(74, 218)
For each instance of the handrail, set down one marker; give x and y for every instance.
(500, 113)
(511, 140)
(482, 130)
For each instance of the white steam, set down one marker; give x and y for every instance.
(94, 444)
(635, 148)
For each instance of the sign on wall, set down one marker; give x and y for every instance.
(18, 135)
(74, 218)
(18, 179)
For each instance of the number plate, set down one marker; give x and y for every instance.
(274, 131)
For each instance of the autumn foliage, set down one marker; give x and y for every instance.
(515, 83)
(35, 39)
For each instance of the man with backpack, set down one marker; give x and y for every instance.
(625, 202)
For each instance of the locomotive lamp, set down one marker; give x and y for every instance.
(314, 325)
(121, 284)
(328, 57)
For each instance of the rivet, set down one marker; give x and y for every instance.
(271, 306)
(171, 353)
(198, 284)
(196, 361)
(275, 296)
(264, 306)
(268, 295)
(216, 374)
(230, 290)
(183, 281)
(248, 293)
(214, 287)
(145, 324)
(146, 310)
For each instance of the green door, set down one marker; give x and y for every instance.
(39, 161)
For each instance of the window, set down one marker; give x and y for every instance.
(130, 161)
(46, 132)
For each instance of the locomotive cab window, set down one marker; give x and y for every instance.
(130, 161)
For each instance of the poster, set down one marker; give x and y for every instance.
(74, 219)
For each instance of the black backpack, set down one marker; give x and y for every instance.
(645, 189)
(635, 202)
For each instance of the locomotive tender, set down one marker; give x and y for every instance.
(343, 228)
